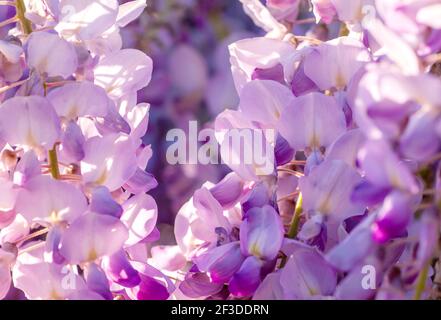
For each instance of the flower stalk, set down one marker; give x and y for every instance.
(53, 163)
(294, 228)
(421, 282)
(25, 23)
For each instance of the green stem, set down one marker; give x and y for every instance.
(294, 227)
(25, 23)
(53, 163)
(421, 282)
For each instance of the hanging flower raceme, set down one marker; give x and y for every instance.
(74, 202)
(350, 209)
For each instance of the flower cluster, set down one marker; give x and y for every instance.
(75, 214)
(351, 208)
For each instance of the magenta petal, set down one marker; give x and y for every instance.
(210, 215)
(301, 84)
(258, 197)
(120, 271)
(141, 182)
(261, 233)
(270, 288)
(221, 262)
(150, 289)
(247, 279)
(168, 258)
(154, 285)
(393, 216)
(282, 151)
(275, 73)
(324, 10)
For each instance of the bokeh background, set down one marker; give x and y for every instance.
(188, 42)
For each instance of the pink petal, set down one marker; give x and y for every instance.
(46, 58)
(92, 236)
(79, 99)
(313, 120)
(46, 199)
(130, 11)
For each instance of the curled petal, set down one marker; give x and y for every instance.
(221, 263)
(109, 160)
(229, 190)
(393, 216)
(139, 216)
(123, 72)
(154, 285)
(120, 271)
(247, 279)
(130, 11)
